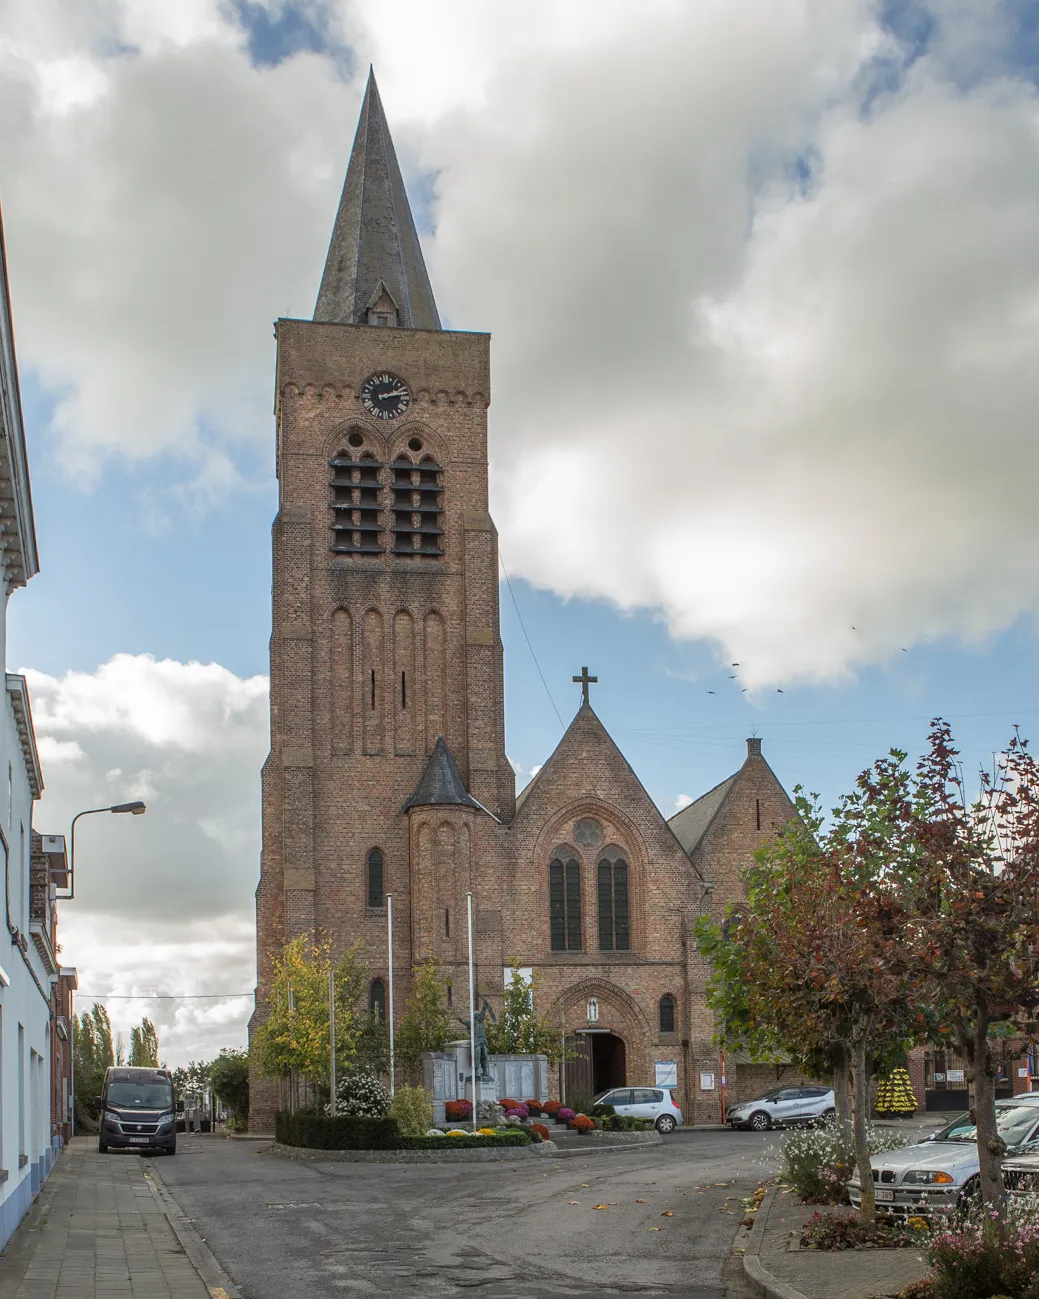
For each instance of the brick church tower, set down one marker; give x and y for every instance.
(386, 657)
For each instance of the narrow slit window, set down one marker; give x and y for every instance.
(403, 690)
(757, 812)
(376, 892)
(377, 1000)
(447, 922)
(373, 687)
(667, 1013)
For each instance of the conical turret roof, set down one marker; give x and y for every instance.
(374, 244)
(441, 785)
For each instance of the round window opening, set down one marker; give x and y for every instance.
(356, 439)
(415, 444)
(588, 832)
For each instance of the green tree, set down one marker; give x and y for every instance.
(94, 1053)
(519, 1030)
(426, 1022)
(295, 1035)
(144, 1045)
(229, 1077)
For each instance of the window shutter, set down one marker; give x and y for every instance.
(621, 927)
(556, 911)
(605, 907)
(573, 906)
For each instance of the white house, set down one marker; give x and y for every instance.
(26, 1153)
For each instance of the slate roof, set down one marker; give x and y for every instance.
(440, 784)
(18, 555)
(692, 823)
(374, 240)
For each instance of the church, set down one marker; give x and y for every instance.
(388, 774)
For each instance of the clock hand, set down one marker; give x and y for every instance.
(399, 393)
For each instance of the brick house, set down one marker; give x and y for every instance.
(387, 772)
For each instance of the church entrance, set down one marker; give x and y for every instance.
(598, 1061)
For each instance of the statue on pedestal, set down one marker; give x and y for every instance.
(481, 1063)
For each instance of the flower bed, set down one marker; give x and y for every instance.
(318, 1132)
(540, 1130)
(552, 1108)
(455, 1110)
(970, 1259)
(582, 1123)
(533, 1108)
(817, 1166)
(839, 1231)
(564, 1115)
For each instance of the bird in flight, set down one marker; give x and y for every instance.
(732, 676)
(779, 692)
(735, 665)
(710, 692)
(904, 650)
(743, 691)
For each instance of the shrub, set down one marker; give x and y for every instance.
(603, 1111)
(468, 1141)
(837, 1231)
(581, 1102)
(969, 1259)
(552, 1108)
(818, 1166)
(412, 1111)
(540, 1129)
(564, 1114)
(460, 1109)
(347, 1132)
(582, 1123)
(362, 1094)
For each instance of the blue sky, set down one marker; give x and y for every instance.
(765, 380)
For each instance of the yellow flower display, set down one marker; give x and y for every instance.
(456, 1132)
(486, 1132)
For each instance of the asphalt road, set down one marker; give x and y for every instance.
(287, 1229)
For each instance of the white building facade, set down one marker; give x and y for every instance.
(26, 1150)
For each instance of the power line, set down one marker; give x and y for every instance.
(541, 674)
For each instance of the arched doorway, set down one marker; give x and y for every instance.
(597, 1063)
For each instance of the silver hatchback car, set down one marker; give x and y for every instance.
(784, 1107)
(653, 1103)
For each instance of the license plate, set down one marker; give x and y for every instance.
(143, 1140)
(886, 1196)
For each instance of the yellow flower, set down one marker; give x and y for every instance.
(917, 1224)
(486, 1132)
(456, 1132)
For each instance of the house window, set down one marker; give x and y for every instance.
(355, 500)
(376, 891)
(564, 901)
(377, 1000)
(417, 506)
(667, 1013)
(614, 911)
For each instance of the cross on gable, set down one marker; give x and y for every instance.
(584, 681)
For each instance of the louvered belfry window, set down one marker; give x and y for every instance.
(356, 492)
(564, 902)
(614, 908)
(417, 507)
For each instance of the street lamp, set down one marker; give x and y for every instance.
(136, 808)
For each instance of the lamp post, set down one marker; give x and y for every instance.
(136, 808)
(389, 962)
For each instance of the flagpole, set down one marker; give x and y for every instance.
(389, 950)
(332, 1036)
(472, 1004)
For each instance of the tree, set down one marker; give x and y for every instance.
(94, 1053)
(426, 1023)
(144, 1045)
(519, 1030)
(229, 1077)
(973, 880)
(295, 1035)
(807, 966)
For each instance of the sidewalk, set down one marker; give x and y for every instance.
(782, 1273)
(99, 1230)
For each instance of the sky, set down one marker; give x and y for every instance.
(763, 285)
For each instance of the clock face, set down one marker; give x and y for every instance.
(384, 396)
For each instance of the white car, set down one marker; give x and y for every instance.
(784, 1107)
(654, 1103)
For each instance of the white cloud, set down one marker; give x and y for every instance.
(765, 354)
(163, 901)
(681, 800)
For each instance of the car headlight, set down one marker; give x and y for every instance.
(166, 1118)
(927, 1177)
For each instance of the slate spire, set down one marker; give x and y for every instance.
(440, 784)
(375, 259)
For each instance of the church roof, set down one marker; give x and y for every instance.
(441, 785)
(692, 823)
(374, 239)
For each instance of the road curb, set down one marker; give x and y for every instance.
(767, 1285)
(202, 1258)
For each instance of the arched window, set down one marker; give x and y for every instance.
(356, 497)
(377, 999)
(417, 505)
(614, 911)
(376, 892)
(564, 901)
(667, 1013)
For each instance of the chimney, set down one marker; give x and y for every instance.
(753, 748)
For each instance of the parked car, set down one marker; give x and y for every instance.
(1021, 1174)
(655, 1103)
(137, 1111)
(942, 1171)
(784, 1107)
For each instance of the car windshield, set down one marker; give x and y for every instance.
(141, 1095)
(1013, 1122)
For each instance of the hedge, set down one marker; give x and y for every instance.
(346, 1132)
(320, 1132)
